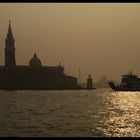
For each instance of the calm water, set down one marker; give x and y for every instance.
(100, 112)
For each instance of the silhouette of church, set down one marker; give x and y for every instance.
(34, 76)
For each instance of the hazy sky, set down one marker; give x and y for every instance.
(101, 39)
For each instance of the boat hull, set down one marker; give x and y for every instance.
(120, 88)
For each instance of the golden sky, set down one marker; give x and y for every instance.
(99, 38)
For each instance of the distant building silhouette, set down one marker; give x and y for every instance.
(34, 76)
(102, 82)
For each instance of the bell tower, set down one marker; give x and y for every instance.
(10, 48)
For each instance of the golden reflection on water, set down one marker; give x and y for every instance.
(123, 116)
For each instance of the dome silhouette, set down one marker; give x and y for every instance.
(35, 61)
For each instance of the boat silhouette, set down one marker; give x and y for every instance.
(129, 82)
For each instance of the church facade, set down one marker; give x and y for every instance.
(34, 76)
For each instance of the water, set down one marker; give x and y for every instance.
(84, 113)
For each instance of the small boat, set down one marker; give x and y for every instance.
(129, 82)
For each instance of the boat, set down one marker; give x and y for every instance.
(129, 82)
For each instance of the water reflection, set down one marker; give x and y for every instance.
(70, 113)
(120, 115)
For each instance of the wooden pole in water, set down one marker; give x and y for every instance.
(79, 77)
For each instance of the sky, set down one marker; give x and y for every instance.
(97, 38)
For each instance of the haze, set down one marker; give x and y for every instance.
(100, 39)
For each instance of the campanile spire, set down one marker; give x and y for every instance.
(10, 48)
(9, 33)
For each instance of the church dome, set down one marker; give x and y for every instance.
(35, 61)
